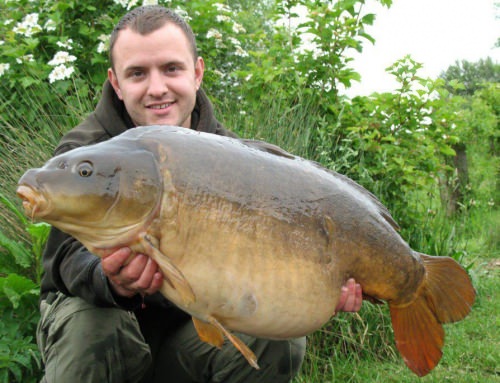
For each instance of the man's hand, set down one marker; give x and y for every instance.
(140, 276)
(351, 297)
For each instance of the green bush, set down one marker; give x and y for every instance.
(20, 270)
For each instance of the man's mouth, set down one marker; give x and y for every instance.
(160, 106)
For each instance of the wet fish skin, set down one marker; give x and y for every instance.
(249, 238)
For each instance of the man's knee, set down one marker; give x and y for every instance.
(85, 343)
(279, 361)
(285, 356)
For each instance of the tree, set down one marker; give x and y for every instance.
(472, 85)
(465, 78)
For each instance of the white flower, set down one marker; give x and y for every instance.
(61, 57)
(426, 111)
(29, 26)
(222, 18)
(123, 3)
(61, 72)
(132, 4)
(238, 28)
(234, 41)
(4, 68)
(240, 52)
(103, 46)
(214, 33)
(150, 2)
(50, 25)
(426, 121)
(26, 58)
(434, 95)
(66, 45)
(222, 7)
(2, 42)
(126, 3)
(31, 19)
(183, 13)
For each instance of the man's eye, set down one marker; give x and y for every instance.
(172, 69)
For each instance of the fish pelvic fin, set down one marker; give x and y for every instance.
(208, 333)
(213, 332)
(171, 274)
(446, 296)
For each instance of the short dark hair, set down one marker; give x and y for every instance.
(147, 19)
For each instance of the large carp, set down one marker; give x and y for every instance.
(248, 237)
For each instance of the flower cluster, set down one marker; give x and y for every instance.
(61, 71)
(215, 34)
(103, 45)
(129, 4)
(29, 26)
(4, 68)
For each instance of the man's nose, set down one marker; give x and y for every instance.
(157, 84)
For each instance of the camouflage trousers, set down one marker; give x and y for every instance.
(83, 343)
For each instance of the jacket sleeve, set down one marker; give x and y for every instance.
(75, 271)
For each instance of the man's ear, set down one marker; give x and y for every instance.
(114, 82)
(199, 69)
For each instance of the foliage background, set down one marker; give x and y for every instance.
(429, 150)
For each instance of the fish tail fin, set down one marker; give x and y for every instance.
(446, 296)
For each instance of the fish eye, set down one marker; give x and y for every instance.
(85, 169)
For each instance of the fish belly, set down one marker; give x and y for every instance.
(256, 284)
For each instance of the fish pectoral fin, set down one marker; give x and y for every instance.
(215, 326)
(172, 275)
(208, 333)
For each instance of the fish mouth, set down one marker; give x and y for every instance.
(34, 203)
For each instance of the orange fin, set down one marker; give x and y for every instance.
(214, 326)
(419, 336)
(449, 290)
(208, 333)
(446, 295)
(172, 275)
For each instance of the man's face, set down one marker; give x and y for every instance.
(156, 76)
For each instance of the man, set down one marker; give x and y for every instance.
(104, 320)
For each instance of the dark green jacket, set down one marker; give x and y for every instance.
(68, 266)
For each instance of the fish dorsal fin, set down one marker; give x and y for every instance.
(171, 274)
(212, 331)
(268, 148)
